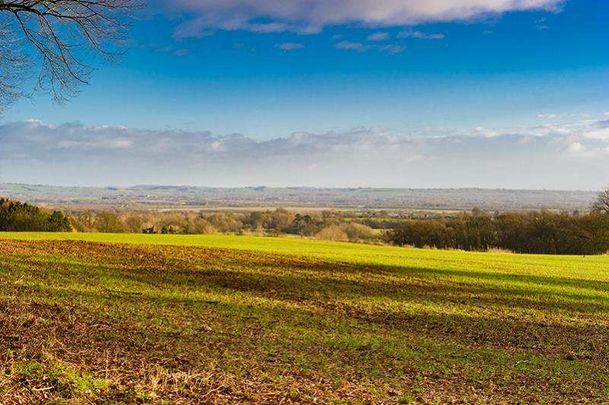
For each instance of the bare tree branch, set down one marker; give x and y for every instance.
(602, 203)
(12, 64)
(51, 39)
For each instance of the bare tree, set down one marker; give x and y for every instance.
(602, 203)
(50, 40)
(12, 64)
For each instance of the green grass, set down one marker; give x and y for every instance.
(128, 318)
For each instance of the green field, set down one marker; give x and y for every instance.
(159, 318)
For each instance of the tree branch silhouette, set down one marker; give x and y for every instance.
(52, 41)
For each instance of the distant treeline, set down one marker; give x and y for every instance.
(329, 225)
(542, 232)
(535, 232)
(16, 217)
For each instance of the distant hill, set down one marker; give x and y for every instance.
(187, 197)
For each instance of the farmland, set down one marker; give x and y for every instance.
(217, 318)
(302, 199)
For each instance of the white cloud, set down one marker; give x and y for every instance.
(378, 36)
(485, 132)
(547, 116)
(360, 47)
(352, 46)
(566, 156)
(576, 147)
(600, 133)
(420, 35)
(392, 48)
(170, 49)
(310, 16)
(267, 28)
(289, 46)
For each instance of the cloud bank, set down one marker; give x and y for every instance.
(566, 156)
(310, 16)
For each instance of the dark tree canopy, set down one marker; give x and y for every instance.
(533, 232)
(18, 217)
(52, 42)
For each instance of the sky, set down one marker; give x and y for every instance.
(342, 93)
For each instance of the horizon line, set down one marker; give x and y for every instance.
(295, 187)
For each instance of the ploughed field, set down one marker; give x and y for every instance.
(180, 319)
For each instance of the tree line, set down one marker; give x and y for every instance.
(329, 225)
(16, 216)
(534, 232)
(542, 232)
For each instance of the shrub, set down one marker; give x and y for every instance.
(359, 232)
(332, 232)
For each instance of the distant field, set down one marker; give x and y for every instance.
(127, 318)
(295, 198)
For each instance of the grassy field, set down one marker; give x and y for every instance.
(156, 318)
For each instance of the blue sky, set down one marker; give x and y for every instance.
(411, 68)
